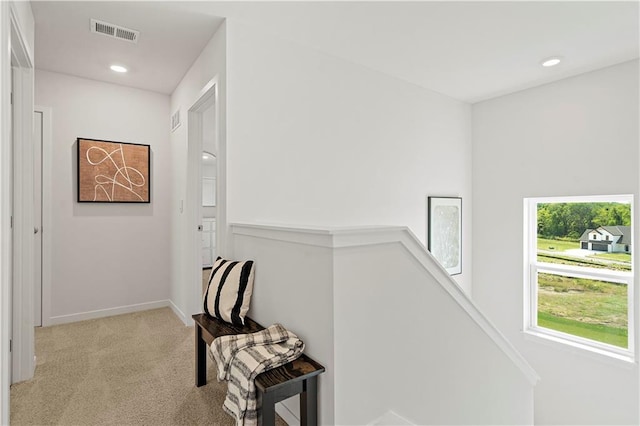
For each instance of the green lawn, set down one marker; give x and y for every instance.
(621, 257)
(588, 308)
(600, 333)
(592, 309)
(557, 245)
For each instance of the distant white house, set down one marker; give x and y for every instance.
(612, 239)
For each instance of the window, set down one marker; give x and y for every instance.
(577, 291)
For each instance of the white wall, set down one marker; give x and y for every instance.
(542, 142)
(211, 63)
(403, 344)
(315, 140)
(388, 324)
(294, 286)
(105, 256)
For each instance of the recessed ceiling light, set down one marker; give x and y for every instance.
(205, 156)
(550, 62)
(118, 68)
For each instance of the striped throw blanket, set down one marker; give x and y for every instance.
(241, 358)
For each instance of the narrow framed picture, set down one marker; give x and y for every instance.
(113, 172)
(444, 232)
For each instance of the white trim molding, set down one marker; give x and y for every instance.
(16, 310)
(286, 414)
(5, 213)
(102, 313)
(180, 314)
(47, 223)
(22, 298)
(390, 418)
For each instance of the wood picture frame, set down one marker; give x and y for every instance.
(444, 232)
(113, 172)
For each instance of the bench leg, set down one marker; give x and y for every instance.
(201, 358)
(309, 402)
(266, 409)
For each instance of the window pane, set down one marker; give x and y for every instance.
(592, 309)
(589, 234)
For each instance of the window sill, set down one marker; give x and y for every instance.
(626, 359)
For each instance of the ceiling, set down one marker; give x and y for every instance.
(170, 41)
(470, 51)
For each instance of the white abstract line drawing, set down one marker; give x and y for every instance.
(125, 177)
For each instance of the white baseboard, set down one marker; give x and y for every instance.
(287, 415)
(180, 314)
(101, 313)
(390, 419)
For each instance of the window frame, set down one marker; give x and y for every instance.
(532, 267)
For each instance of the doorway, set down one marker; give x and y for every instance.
(22, 216)
(206, 190)
(22, 222)
(16, 207)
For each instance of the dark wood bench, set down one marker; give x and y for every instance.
(297, 377)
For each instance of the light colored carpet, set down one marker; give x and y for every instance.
(133, 369)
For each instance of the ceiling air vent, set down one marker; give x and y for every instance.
(114, 31)
(175, 120)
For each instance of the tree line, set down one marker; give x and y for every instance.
(570, 220)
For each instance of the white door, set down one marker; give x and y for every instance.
(37, 217)
(11, 180)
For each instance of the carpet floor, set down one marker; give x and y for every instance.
(133, 369)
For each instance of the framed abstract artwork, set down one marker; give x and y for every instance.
(444, 232)
(113, 172)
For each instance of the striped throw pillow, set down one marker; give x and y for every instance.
(229, 291)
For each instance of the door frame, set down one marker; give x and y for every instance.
(47, 153)
(22, 324)
(16, 315)
(5, 214)
(208, 96)
(37, 218)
